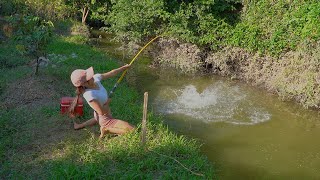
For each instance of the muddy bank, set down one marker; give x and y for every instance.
(292, 76)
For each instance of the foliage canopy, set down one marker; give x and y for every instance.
(271, 27)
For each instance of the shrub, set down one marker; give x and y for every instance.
(276, 27)
(135, 20)
(33, 34)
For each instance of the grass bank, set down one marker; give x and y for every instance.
(36, 142)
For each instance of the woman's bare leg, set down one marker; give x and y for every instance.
(103, 131)
(90, 122)
(121, 127)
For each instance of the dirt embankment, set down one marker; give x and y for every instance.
(293, 75)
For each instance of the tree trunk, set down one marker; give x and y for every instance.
(85, 13)
(37, 66)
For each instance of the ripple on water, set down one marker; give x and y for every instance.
(216, 103)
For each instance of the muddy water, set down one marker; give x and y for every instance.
(246, 132)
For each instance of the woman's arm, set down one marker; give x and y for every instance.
(114, 71)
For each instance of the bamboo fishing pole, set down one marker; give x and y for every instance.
(124, 72)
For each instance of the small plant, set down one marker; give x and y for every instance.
(33, 34)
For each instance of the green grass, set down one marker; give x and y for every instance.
(36, 142)
(11, 58)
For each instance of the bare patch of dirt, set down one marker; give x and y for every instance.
(31, 91)
(186, 57)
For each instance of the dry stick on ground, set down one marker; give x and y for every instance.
(144, 130)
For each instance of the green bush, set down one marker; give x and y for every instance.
(268, 27)
(276, 27)
(271, 27)
(135, 20)
(49, 9)
(33, 33)
(9, 7)
(205, 23)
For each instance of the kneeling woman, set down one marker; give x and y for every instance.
(88, 84)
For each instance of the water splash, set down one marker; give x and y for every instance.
(191, 99)
(216, 103)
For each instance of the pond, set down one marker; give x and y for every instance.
(246, 132)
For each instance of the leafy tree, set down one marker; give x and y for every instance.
(83, 6)
(34, 35)
(47, 9)
(98, 8)
(135, 19)
(202, 22)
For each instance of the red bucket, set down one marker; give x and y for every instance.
(67, 101)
